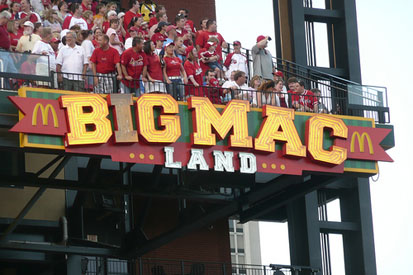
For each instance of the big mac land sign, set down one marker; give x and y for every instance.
(156, 129)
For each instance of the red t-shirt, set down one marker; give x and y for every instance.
(144, 33)
(152, 21)
(4, 38)
(307, 98)
(33, 17)
(158, 36)
(134, 63)
(154, 66)
(182, 33)
(105, 60)
(85, 8)
(173, 66)
(203, 37)
(128, 17)
(95, 43)
(14, 38)
(204, 66)
(193, 69)
(213, 92)
(105, 26)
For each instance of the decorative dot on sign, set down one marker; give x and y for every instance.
(141, 156)
(282, 167)
(151, 157)
(132, 155)
(273, 166)
(264, 165)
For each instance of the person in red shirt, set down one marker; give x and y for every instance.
(174, 73)
(143, 31)
(14, 10)
(26, 14)
(212, 88)
(181, 31)
(160, 32)
(133, 63)
(303, 100)
(204, 36)
(158, 10)
(105, 62)
(193, 71)
(96, 34)
(203, 27)
(189, 24)
(110, 15)
(14, 33)
(131, 13)
(153, 71)
(86, 5)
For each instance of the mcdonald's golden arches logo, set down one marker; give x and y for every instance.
(361, 138)
(45, 114)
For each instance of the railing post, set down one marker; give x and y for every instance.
(182, 268)
(224, 270)
(248, 63)
(140, 266)
(264, 269)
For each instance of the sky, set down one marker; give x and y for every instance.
(386, 55)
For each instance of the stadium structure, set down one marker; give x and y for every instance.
(110, 184)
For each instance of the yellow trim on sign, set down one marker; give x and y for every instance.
(25, 143)
(362, 170)
(22, 91)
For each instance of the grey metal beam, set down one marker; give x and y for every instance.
(54, 248)
(201, 221)
(34, 199)
(28, 180)
(338, 227)
(290, 193)
(322, 15)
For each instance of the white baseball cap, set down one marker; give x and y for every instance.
(28, 24)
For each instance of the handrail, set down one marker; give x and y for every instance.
(349, 100)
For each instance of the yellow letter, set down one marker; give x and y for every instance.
(206, 116)
(45, 114)
(170, 123)
(79, 120)
(315, 135)
(276, 118)
(361, 139)
(122, 117)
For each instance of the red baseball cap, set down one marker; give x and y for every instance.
(133, 29)
(169, 44)
(54, 40)
(189, 49)
(279, 73)
(237, 43)
(259, 38)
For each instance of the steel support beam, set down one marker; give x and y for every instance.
(286, 195)
(220, 212)
(54, 248)
(35, 197)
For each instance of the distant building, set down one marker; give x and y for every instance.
(245, 243)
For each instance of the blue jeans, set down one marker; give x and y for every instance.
(176, 89)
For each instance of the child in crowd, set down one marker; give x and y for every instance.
(211, 58)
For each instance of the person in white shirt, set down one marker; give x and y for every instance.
(133, 31)
(72, 64)
(88, 48)
(47, 62)
(76, 19)
(234, 88)
(114, 40)
(236, 61)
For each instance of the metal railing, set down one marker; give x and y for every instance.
(18, 69)
(148, 266)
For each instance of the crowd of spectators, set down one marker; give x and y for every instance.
(90, 46)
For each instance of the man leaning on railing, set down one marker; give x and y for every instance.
(72, 62)
(105, 62)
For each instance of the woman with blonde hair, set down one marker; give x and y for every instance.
(254, 85)
(52, 20)
(266, 94)
(14, 33)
